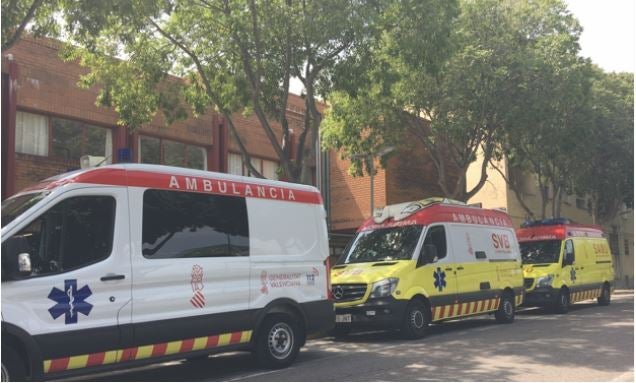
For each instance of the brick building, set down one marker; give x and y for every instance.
(48, 123)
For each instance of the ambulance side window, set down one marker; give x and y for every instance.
(179, 224)
(436, 236)
(568, 256)
(74, 233)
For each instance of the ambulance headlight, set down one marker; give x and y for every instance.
(545, 281)
(383, 288)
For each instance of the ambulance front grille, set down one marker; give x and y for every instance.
(348, 292)
(527, 282)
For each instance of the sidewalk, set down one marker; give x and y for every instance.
(623, 292)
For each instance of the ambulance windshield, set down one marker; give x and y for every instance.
(386, 244)
(13, 207)
(540, 251)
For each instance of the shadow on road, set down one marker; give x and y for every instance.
(589, 338)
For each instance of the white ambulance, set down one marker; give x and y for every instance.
(120, 265)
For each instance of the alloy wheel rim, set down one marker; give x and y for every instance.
(508, 308)
(417, 319)
(280, 341)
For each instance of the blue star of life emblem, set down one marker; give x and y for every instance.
(70, 302)
(440, 279)
(573, 274)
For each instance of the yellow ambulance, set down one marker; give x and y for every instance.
(427, 261)
(565, 263)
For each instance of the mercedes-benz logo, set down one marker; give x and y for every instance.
(338, 293)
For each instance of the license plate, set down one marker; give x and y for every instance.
(343, 318)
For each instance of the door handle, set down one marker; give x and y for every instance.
(112, 277)
(460, 268)
(449, 269)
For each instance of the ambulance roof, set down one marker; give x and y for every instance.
(174, 178)
(558, 231)
(436, 210)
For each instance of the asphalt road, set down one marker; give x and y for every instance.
(591, 343)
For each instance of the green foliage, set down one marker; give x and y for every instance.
(236, 57)
(506, 69)
(36, 16)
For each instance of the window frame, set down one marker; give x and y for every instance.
(52, 206)
(185, 144)
(49, 119)
(246, 173)
(425, 235)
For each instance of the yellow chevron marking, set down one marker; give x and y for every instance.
(246, 336)
(78, 361)
(200, 343)
(144, 352)
(111, 356)
(173, 347)
(47, 366)
(224, 339)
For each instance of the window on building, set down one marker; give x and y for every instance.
(267, 168)
(613, 241)
(32, 134)
(42, 135)
(161, 151)
(191, 225)
(73, 139)
(627, 247)
(74, 233)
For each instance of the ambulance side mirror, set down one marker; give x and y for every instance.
(428, 255)
(16, 260)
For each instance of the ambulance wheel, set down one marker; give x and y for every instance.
(563, 302)
(13, 368)
(416, 320)
(506, 311)
(278, 342)
(604, 299)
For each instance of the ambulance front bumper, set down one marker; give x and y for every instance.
(378, 313)
(541, 296)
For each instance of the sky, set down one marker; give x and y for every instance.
(608, 32)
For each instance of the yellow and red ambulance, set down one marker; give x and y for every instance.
(565, 263)
(427, 261)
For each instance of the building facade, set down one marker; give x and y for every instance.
(48, 123)
(497, 194)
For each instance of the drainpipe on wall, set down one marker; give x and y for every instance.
(9, 134)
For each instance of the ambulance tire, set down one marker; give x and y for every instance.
(563, 302)
(417, 319)
(506, 311)
(606, 297)
(13, 368)
(278, 342)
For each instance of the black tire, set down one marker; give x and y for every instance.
(417, 319)
(563, 302)
(341, 331)
(278, 342)
(13, 368)
(506, 311)
(606, 296)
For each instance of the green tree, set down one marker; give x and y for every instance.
(468, 90)
(547, 134)
(236, 56)
(35, 16)
(606, 168)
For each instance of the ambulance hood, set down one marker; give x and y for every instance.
(368, 272)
